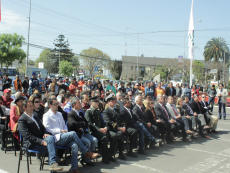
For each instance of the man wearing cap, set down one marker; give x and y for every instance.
(122, 88)
(116, 125)
(7, 82)
(17, 83)
(34, 83)
(7, 98)
(41, 83)
(98, 129)
(110, 87)
(25, 84)
(53, 87)
(78, 123)
(81, 84)
(47, 82)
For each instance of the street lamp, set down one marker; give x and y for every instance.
(130, 27)
(184, 47)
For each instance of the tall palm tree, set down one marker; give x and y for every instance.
(214, 50)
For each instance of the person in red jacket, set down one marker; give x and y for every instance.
(7, 98)
(73, 86)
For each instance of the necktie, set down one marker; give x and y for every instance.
(199, 106)
(190, 109)
(174, 111)
(165, 111)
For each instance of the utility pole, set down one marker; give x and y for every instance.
(27, 59)
(224, 69)
(59, 59)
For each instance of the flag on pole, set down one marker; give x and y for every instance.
(191, 35)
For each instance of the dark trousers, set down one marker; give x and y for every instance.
(132, 133)
(207, 118)
(141, 136)
(222, 106)
(106, 153)
(3, 133)
(178, 125)
(211, 101)
(164, 128)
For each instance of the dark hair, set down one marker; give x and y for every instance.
(25, 103)
(50, 101)
(184, 97)
(35, 97)
(1, 98)
(221, 84)
(125, 100)
(67, 96)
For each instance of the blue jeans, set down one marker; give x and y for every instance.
(90, 142)
(71, 140)
(51, 149)
(211, 100)
(141, 136)
(222, 106)
(146, 132)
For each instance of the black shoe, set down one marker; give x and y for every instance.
(106, 161)
(132, 154)
(214, 131)
(112, 159)
(122, 156)
(187, 140)
(90, 163)
(142, 152)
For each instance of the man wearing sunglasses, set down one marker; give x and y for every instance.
(55, 124)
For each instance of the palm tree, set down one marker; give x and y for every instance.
(214, 50)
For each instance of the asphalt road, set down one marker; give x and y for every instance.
(199, 156)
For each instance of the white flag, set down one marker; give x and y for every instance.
(191, 35)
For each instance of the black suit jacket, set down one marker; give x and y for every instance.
(31, 134)
(204, 104)
(75, 122)
(160, 113)
(169, 93)
(139, 116)
(196, 108)
(125, 115)
(150, 117)
(187, 109)
(113, 119)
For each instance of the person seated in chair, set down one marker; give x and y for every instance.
(55, 124)
(2, 123)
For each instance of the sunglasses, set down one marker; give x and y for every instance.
(55, 104)
(203, 97)
(130, 95)
(36, 102)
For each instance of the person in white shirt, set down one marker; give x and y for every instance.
(55, 124)
(222, 95)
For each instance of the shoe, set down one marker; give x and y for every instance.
(214, 131)
(55, 167)
(142, 152)
(75, 171)
(156, 140)
(3, 148)
(219, 118)
(112, 159)
(207, 127)
(122, 156)
(187, 140)
(91, 155)
(205, 136)
(210, 113)
(90, 163)
(209, 131)
(106, 161)
(189, 132)
(132, 154)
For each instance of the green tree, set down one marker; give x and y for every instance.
(198, 71)
(11, 49)
(62, 48)
(116, 68)
(76, 64)
(31, 62)
(161, 70)
(66, 68)
(142, 71)
(92, 58)
(45, 56)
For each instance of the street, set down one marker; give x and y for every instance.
(199, 156)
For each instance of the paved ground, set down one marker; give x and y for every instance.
(200, 156)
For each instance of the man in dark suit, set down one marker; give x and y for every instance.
(170, 91)
(163, 114)
(195, 121)
(35, 136)
(116, 124)
(140, 117)
(127, 116)
(98, 129)
(78, 123)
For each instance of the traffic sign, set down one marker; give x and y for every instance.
(96, 68)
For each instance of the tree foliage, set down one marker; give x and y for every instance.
(11, 49)
(116, 68)
(142, 71)
(92, 58)
(161, 70)
(66, 68)
(45, 56)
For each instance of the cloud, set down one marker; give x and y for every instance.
(12, 22)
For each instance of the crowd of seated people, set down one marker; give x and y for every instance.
(95, 119)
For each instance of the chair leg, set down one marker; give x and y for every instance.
(28, 166)
(43, 160)
(20, 156)
(30, 159)
(65, 156)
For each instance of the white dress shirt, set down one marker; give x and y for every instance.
(54, 123)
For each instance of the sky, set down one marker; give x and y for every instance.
(161, 25)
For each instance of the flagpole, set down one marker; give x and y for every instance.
(27, 59)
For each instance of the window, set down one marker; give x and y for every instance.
(131, 67)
